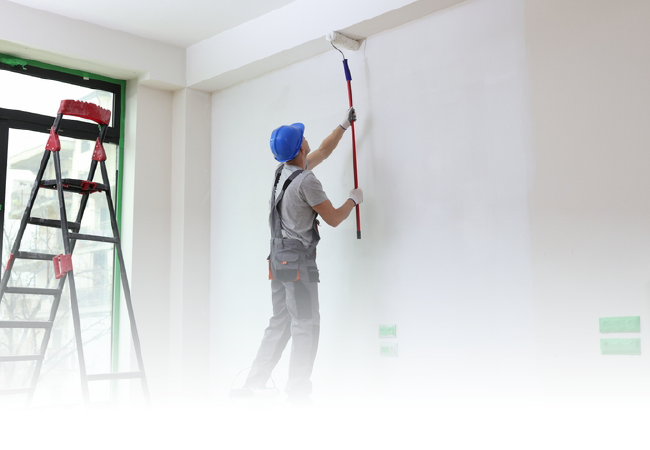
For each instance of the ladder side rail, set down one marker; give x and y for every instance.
(4, 144)
(125, 285)
(74, 305)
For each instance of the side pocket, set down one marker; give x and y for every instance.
(285, 265)
(314, 276)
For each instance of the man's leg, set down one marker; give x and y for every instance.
(302, 303)
(275, 339)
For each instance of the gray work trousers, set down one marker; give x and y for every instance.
(296, 316)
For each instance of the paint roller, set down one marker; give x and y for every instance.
(339, 41)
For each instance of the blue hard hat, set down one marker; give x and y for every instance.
(286, 141)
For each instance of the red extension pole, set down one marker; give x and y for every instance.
(348, 77)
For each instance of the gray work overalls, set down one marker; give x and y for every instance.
(294, 286)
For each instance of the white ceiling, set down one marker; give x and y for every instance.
(177, 22)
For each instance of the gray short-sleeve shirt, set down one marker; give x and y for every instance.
(296, 207)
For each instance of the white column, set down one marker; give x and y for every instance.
(146, 230)
(190, 241)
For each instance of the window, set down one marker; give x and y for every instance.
(30, 94)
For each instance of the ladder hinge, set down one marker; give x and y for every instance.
(53, 143)
(99, 154)
(62, 265)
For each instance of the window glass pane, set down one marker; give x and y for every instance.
(41, 96)
(92, 262)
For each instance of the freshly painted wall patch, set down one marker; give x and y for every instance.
(388, 349)
(387, 331)
(620, 346)
(620, 324)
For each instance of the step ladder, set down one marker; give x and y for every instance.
(63, 270)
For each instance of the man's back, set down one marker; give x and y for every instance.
(304, 192)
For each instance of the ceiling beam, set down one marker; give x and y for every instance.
(291, 34)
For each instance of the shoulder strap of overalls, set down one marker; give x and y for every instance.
(285, 185)
(275, 220)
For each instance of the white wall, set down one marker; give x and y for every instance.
(444, 156)
(589, 64)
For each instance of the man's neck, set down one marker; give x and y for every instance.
(299, 161)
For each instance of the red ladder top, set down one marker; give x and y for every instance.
(85, 110)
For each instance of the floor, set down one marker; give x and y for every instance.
(269, 423)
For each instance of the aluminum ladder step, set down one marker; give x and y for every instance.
(34, 255)
(114, 376)
(90, 237)
(32, 291)
(72, 226)
(73, 185)
(16, 358)
(25, 324)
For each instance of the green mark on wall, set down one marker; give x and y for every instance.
(620, 324)
(387, 331)
(620, 346)
(388, 349)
